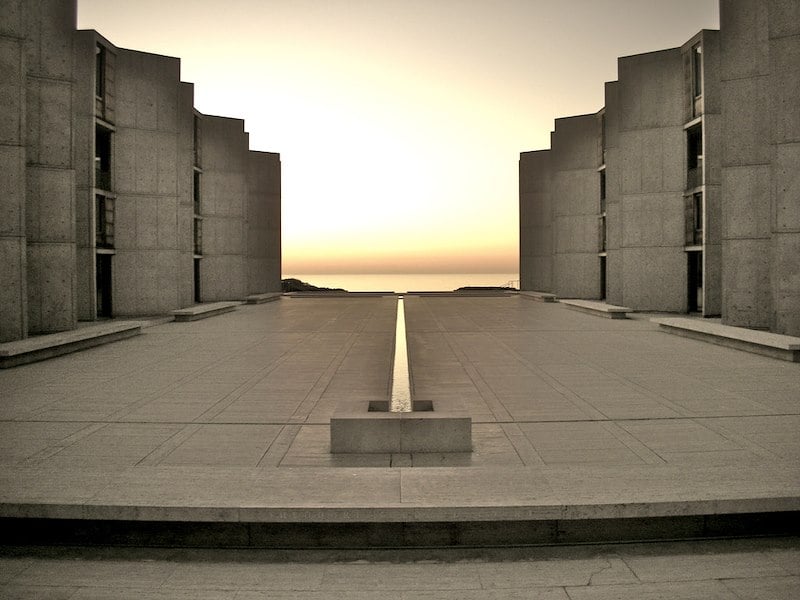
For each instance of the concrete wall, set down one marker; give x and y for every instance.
(264, 222)
(712, 166)
(50, 192)
(575, 158)
(613, 161)
(225, 202)
(13, 138)
(185, 206)
(145, 173)
(784, 82)
(535, 222)
(84, 172)
(652, 145)
(760, 68)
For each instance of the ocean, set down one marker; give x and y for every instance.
(406, 282)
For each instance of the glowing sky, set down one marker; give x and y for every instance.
(399, 122)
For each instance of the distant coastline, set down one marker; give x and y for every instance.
(293, 284)
(402, 282)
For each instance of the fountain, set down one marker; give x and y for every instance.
(400, 424)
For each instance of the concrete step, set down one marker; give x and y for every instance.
(42, 347)
(774, 345)
(203, 311)
(597, 308)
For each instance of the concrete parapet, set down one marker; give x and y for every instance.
(203, 311)
(262, 298)
(42, 347)
(539, 296)
(601, 309)
(783, 347)
(471, 293)
(338, 294)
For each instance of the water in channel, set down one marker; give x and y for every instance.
(401, 385)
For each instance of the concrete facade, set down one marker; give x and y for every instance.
(224, 209)
(575, 190)
(651, 141)
(264, 222)
(536, 217)
(699, 147)
(760, 73)
(102, 207)
(37, 237)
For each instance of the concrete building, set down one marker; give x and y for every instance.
(116, 202)
(687, 171)
(37, 189)
(760, 179)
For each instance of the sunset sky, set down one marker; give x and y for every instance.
(399, 122)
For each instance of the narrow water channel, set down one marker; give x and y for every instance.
(401, 384)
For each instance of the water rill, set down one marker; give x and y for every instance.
(400, 424)
(400, 399)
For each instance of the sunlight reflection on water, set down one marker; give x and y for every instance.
(401, 386)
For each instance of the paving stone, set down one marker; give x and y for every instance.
(567, 409)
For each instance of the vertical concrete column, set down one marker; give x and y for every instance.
(575, 158)
(614, 222)
(84, 101)
(185, 207)
(50, 194)
(225, 206)
(13, 291)
(147, 166)
(263, 222)
(747, 175)
(712, 174)
(651, 141)
(784, 108)
(535, 222)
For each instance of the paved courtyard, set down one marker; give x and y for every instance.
(545, 386)
(574, 416)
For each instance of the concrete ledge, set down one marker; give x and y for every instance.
(539, 296)
(42, 347)
(467, 293)
(356, 429)
(595, 307)
(203, 311)
(262, 298)
(322, 294)
(774, 345)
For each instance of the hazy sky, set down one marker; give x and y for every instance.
(399, 122)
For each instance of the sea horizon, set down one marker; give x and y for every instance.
(405, 282)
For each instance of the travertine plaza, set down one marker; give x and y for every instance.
(215, 433)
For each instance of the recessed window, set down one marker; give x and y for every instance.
(603, 138)
(694, 156)
(99, 71)
(102, 158)
(104, 221)
(196, 132)
(603, 233)
(198, 236)
(603, 190)
(697, 217)
(196, 192)
(697, 70)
